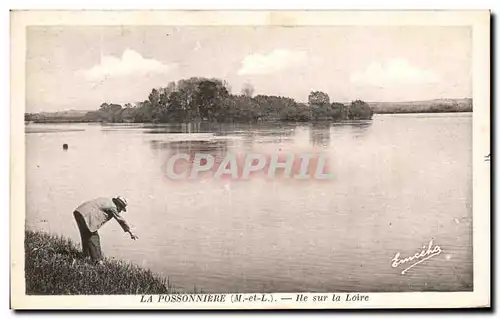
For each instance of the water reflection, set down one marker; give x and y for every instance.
(175, 128)
(248, 134)
(222, 129)
(216, 148)
(319, 134)
(356, 129)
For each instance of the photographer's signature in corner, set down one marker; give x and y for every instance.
(413, 260)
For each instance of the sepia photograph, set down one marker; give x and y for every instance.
(219, 162)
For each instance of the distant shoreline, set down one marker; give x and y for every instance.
(424, 112)
(296, 113)
(81, 121)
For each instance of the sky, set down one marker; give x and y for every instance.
(70, 67)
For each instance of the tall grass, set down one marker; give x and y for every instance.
(54, 266)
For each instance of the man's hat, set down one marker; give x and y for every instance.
(122, 202)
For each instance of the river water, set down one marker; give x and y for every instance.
(398, 182)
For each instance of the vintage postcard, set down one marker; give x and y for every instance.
(250, 159)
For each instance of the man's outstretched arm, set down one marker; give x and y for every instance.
(123, 223)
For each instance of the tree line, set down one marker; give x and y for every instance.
(201, 99)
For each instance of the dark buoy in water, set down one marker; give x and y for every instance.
(65, 146)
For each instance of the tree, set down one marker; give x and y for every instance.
(247, 89)
(176, 110)
(143, 113)
(319, 103)
(298, 113)
(154, 96)
(199, 97)
(166, 91)
(360, 110)
(238, 108)
(128, 114)
(208, 98)
(272, 107)
(318, 98)
(109, 112)
(338, 111)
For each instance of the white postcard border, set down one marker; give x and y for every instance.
(478, 20)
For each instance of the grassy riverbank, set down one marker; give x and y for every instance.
(54, 266)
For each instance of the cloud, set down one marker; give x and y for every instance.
(130, 63)
(272, 62)
(395, 72)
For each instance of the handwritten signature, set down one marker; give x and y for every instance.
(419, 257)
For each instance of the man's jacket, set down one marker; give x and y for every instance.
(99, 211)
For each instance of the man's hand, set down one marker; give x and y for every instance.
(132, 236)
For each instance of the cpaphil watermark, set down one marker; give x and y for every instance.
(183, 166)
